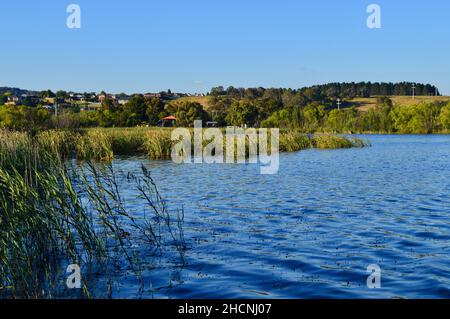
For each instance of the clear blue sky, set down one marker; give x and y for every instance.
(193, 45)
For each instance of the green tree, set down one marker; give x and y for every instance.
(62, 95)
(134, 111)
(278, 119)
(29, 101)
(109, 104)
(23, 117)
(425, 117)
(266, 106)
(401, 117)
(336, 120)
(444, 117)
(12, 117)
(384, 101)
(313, 117)
(3, 99)
(154, 108)
(187, 112)
(420, 118)
(242, 113)
(216, 91)
(47, 94)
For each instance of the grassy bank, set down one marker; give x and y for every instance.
(105, 143)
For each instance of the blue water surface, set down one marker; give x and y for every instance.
(312, 229)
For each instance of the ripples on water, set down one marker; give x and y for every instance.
(312, 229)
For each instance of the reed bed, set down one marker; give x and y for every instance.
(295, 141)
(154, 143)
(335, 142)
(158, 144)
(46, 224)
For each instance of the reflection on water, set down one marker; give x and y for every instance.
(312, 229)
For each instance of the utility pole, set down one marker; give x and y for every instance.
(414, 90)
(56, 106)
(339, 103)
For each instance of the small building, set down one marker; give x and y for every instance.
(103, 97)
(76, 97)
(167, 121)
(49, 100)
(152, 95)
(212, 124)
(12, 100)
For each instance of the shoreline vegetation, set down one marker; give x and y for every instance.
(103, 144)
(54, 214)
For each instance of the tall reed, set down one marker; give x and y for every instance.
(158, 144)
(45, 224)
(103, 144)
(324, 141)
(294, 141)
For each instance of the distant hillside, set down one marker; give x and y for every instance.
(14, 91)
(365, 104)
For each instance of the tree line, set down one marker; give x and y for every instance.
(337, 90)
(423, 118)
(309, 109)
(138, 111)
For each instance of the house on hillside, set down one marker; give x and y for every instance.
(49, 100)
(76, 97)
(123, 101)
(152, 95)
(102, 97)
(12, 100)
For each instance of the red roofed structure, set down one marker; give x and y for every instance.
(168, 121)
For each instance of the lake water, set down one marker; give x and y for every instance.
(312, 229)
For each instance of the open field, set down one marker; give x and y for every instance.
(365, 104)
(362, 104)
(203, 100)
